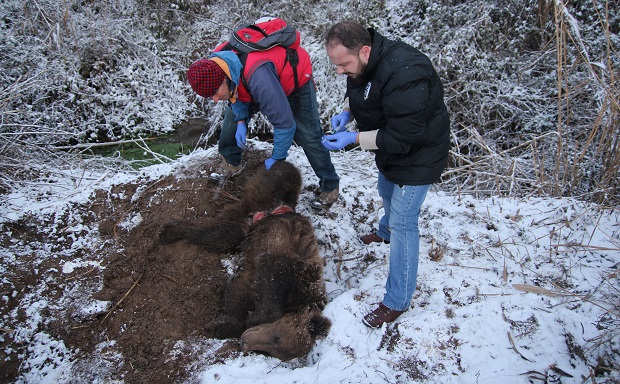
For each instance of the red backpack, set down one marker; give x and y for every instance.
(263, 34)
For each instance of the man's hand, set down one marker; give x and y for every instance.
(340, 121)
(242, 131)
(339, 140)
(270, 162)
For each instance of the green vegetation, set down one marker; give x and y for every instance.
(144, 153)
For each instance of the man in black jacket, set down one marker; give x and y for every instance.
(396, 97)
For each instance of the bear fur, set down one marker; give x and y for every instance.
(264, 191)
(274, 301)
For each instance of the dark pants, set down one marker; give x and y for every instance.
(307, 135)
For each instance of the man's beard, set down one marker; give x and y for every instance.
(358, 77)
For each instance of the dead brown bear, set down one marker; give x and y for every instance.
(274, 302)
(264, 191)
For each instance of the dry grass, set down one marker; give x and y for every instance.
(580, 157)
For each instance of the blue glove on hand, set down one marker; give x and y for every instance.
(269, 162)
(339, 140)
(340, 121)
(242, 131)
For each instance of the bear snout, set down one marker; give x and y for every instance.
(258, 339)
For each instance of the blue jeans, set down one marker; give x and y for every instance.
(308, 135)
(399, 225)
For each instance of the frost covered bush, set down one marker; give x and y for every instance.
(83, 72)
(530, 85)
(528, 113)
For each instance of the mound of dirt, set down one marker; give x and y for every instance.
(157, 296)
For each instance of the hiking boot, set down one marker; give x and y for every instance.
(232, 170)
(380, 316)
(373, 238)
(224, 171)
(326, 199)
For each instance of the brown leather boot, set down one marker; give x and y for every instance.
(380, 316)
(373, 238)
(326, 199)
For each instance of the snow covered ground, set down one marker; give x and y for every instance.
(509, 290)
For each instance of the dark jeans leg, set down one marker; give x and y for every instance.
(309, 133)
(227, 145)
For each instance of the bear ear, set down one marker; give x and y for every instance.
(319, 326)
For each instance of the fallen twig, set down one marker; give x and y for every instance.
(585, 298)
(170, 278)
(122, 298)
(92, 145)
(543, 291)
(229, 195)
(339, 263)
(533, 289)
(512, 343)
(494, 294)
(349, 259)
(81, 274)
(595, 247)
(466, 266)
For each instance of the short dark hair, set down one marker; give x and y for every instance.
(351, 34)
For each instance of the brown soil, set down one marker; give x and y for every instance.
(160, 295)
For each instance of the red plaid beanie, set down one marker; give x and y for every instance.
(205, 77)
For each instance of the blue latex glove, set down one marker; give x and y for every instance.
(340, 121)
(339, 140)
(242, 131)
(270, 162)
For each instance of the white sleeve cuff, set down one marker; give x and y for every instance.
(368, 140)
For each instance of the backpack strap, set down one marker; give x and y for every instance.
(293, 59)
(243, 57)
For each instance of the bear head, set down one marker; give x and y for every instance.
(291, 336)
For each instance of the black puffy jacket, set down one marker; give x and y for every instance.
(401, 95)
